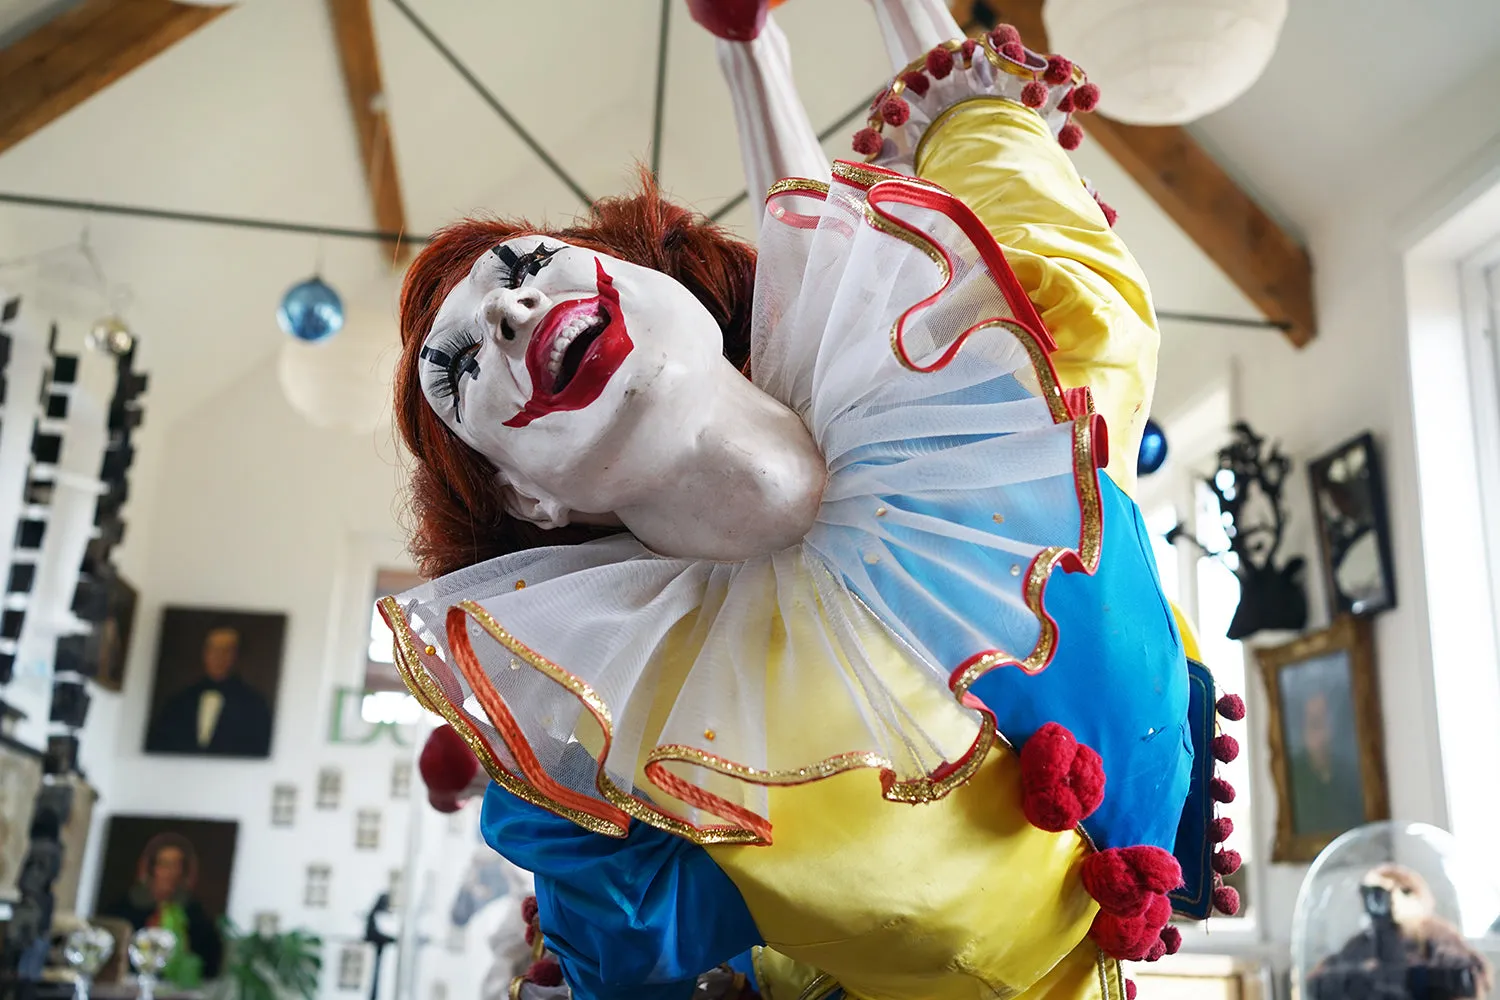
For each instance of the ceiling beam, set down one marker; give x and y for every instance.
(354, 29)
(1264, 262)
(50, 71)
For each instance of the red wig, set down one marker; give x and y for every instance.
(454, 494)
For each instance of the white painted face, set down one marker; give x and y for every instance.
(552, 361)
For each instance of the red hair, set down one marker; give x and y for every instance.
(454, 494)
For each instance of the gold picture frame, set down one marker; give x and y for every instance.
(1327, 751)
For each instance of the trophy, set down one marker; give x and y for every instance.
(86, 950)
(150, 950)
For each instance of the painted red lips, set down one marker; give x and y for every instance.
(574, 352)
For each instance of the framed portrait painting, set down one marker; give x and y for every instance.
(1327, 754)
(214, 693)
(1353, 533)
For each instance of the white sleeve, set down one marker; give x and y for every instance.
(911, 28)
(776, 139)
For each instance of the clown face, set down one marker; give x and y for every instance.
(552, 361)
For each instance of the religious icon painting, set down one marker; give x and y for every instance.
(352, 966)
(367, 830)
(283, 805)
(315, 891)
(330, 787)
(1353, 533)
(214, 691)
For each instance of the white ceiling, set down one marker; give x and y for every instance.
(248, 117)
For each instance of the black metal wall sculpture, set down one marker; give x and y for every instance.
(1248, 485)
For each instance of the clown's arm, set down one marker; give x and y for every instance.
(776, 138)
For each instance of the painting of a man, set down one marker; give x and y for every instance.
(1327, 789)
(215, 684)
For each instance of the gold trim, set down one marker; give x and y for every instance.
(616, 796)
(515, 987)
(431, 697)
(797, 185)
(1353, 637)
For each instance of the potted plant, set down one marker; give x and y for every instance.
(268, 966)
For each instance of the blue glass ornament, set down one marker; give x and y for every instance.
(311, 311)
(1153, 449)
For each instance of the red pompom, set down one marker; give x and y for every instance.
(1071, 136)
(1227, 861)
(736, 20)
(1130, 939)
(1003, 34)
(939, 62)
(967, 49)
(1086, 98)
(1059, 70)
(1034, 94)
(1066, 104)
(446, 764)
(1232, 707)
(895, 111)
(867, 142)
(1227, 900)
(1221, 790)
(1226, 748)
(1124, 880)
(1157, 951)
(545, 972)
(1130, 989)
(1062, 781)
(1014, 51)
(530, 935)
(916, 81)
(1110, 215)
(1171, 939)
(528, 909)
(444, 802)
(1220, 830)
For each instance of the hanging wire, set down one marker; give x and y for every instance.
(484, 94)
(659, 115)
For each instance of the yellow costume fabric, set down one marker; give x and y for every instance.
(1001, 161)
(876, 894)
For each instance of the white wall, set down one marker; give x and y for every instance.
(242, 505)
(1355, 377)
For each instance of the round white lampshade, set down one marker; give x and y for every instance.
(344, 382)
(1166, 62)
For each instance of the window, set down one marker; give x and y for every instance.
(1197, 575)
(330, 787)
(386, 698)
(283, 805)
(315, 893)
(352, 966)
(367, 830)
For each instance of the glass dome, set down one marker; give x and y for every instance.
(1392, 911)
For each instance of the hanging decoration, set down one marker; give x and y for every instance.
(311, 311)
(1153, 449)
(1248, 485)
(1164, 62)
(341, 383)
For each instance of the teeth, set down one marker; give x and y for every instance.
(564, 340)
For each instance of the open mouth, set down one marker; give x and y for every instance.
(575, 351)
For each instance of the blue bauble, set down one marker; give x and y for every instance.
(311, 311)
(1153, 449)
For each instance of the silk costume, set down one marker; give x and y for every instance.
(811, 757)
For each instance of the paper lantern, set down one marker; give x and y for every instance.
(1166, 62)
(344, 382)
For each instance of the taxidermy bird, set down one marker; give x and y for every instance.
(1408, 951)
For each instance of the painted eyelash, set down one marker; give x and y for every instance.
(517, 267)
(450, 363)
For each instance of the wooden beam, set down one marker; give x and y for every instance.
(355, 30)
(47, 73)
(1265, 263)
